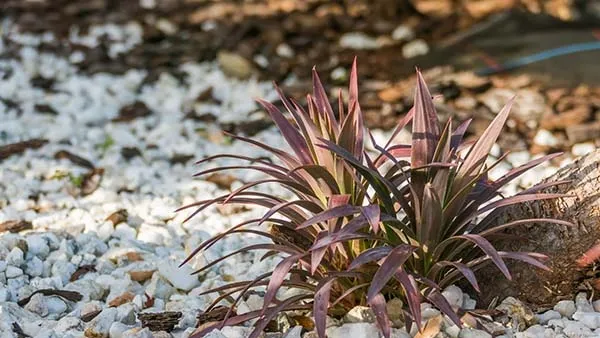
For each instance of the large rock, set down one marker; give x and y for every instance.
(564, 245)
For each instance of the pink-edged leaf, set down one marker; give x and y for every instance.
(426, 129)
(321, 306)
(261, 246)
(435, 297)
(476, 156)
(320, 174)
(341, 112)
(277, 278)
(336, 201)
(412, 293)
(286, 158)
(378, 306)
(289, 132)
(268, 314)
(502, 227)
(520, 199)
(403, 122)
(308, 205)
(464, 270)
(316, 256)
(390, 265)
(489, 250)
(373, 215)
(518, 171)
(531, 258)
(356, 112)
(322, 102)
(458, 134)
(340, 211)
(431, 217)
(370, 255)
(340, 236)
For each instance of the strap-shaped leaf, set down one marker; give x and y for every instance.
(289, 132)
(388, 268)
(377, 304)
(426, 128)
(277, 278)
(321, 306)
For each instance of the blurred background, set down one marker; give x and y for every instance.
(475, 53)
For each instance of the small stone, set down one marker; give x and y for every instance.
(159, 287)
(35, 267)
(576, 329)
(124, 298)
(360, 314)
(141, 275)
(545, 317)
(38, 246)
(56, 305)
(589, 319)
(90, 309)
(582, 303)
(100, 326)
(395, 309)
(415, 48)
(38, 305)
(68, 323)
(13, 272)
(295, 332)
(234, 65)
(181, 278)
(535, 331)
(354, 330)
(138, 333)
(15, 257)
(517, 313)
(358, 40)
(565, 307)
(468, 303)
(596, 305)
(117, 329)
(473, 333)
(454, 296)
(284, 50)
(545, 138)
(403, 33)
(581, 149)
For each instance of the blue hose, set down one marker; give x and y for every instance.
(547, 54)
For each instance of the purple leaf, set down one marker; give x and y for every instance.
(530, 258)
(277, 278)
(372, 213)
(378, 306)
(464, 270)
(489, 250)
(336, 212)
(388, 268)
(413, 295)
(426, 129)
(321, 305)
(370, 255)
(289, 132)
(435, 297)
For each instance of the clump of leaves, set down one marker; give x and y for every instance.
(364, 229)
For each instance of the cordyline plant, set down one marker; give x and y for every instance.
(365, 229)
